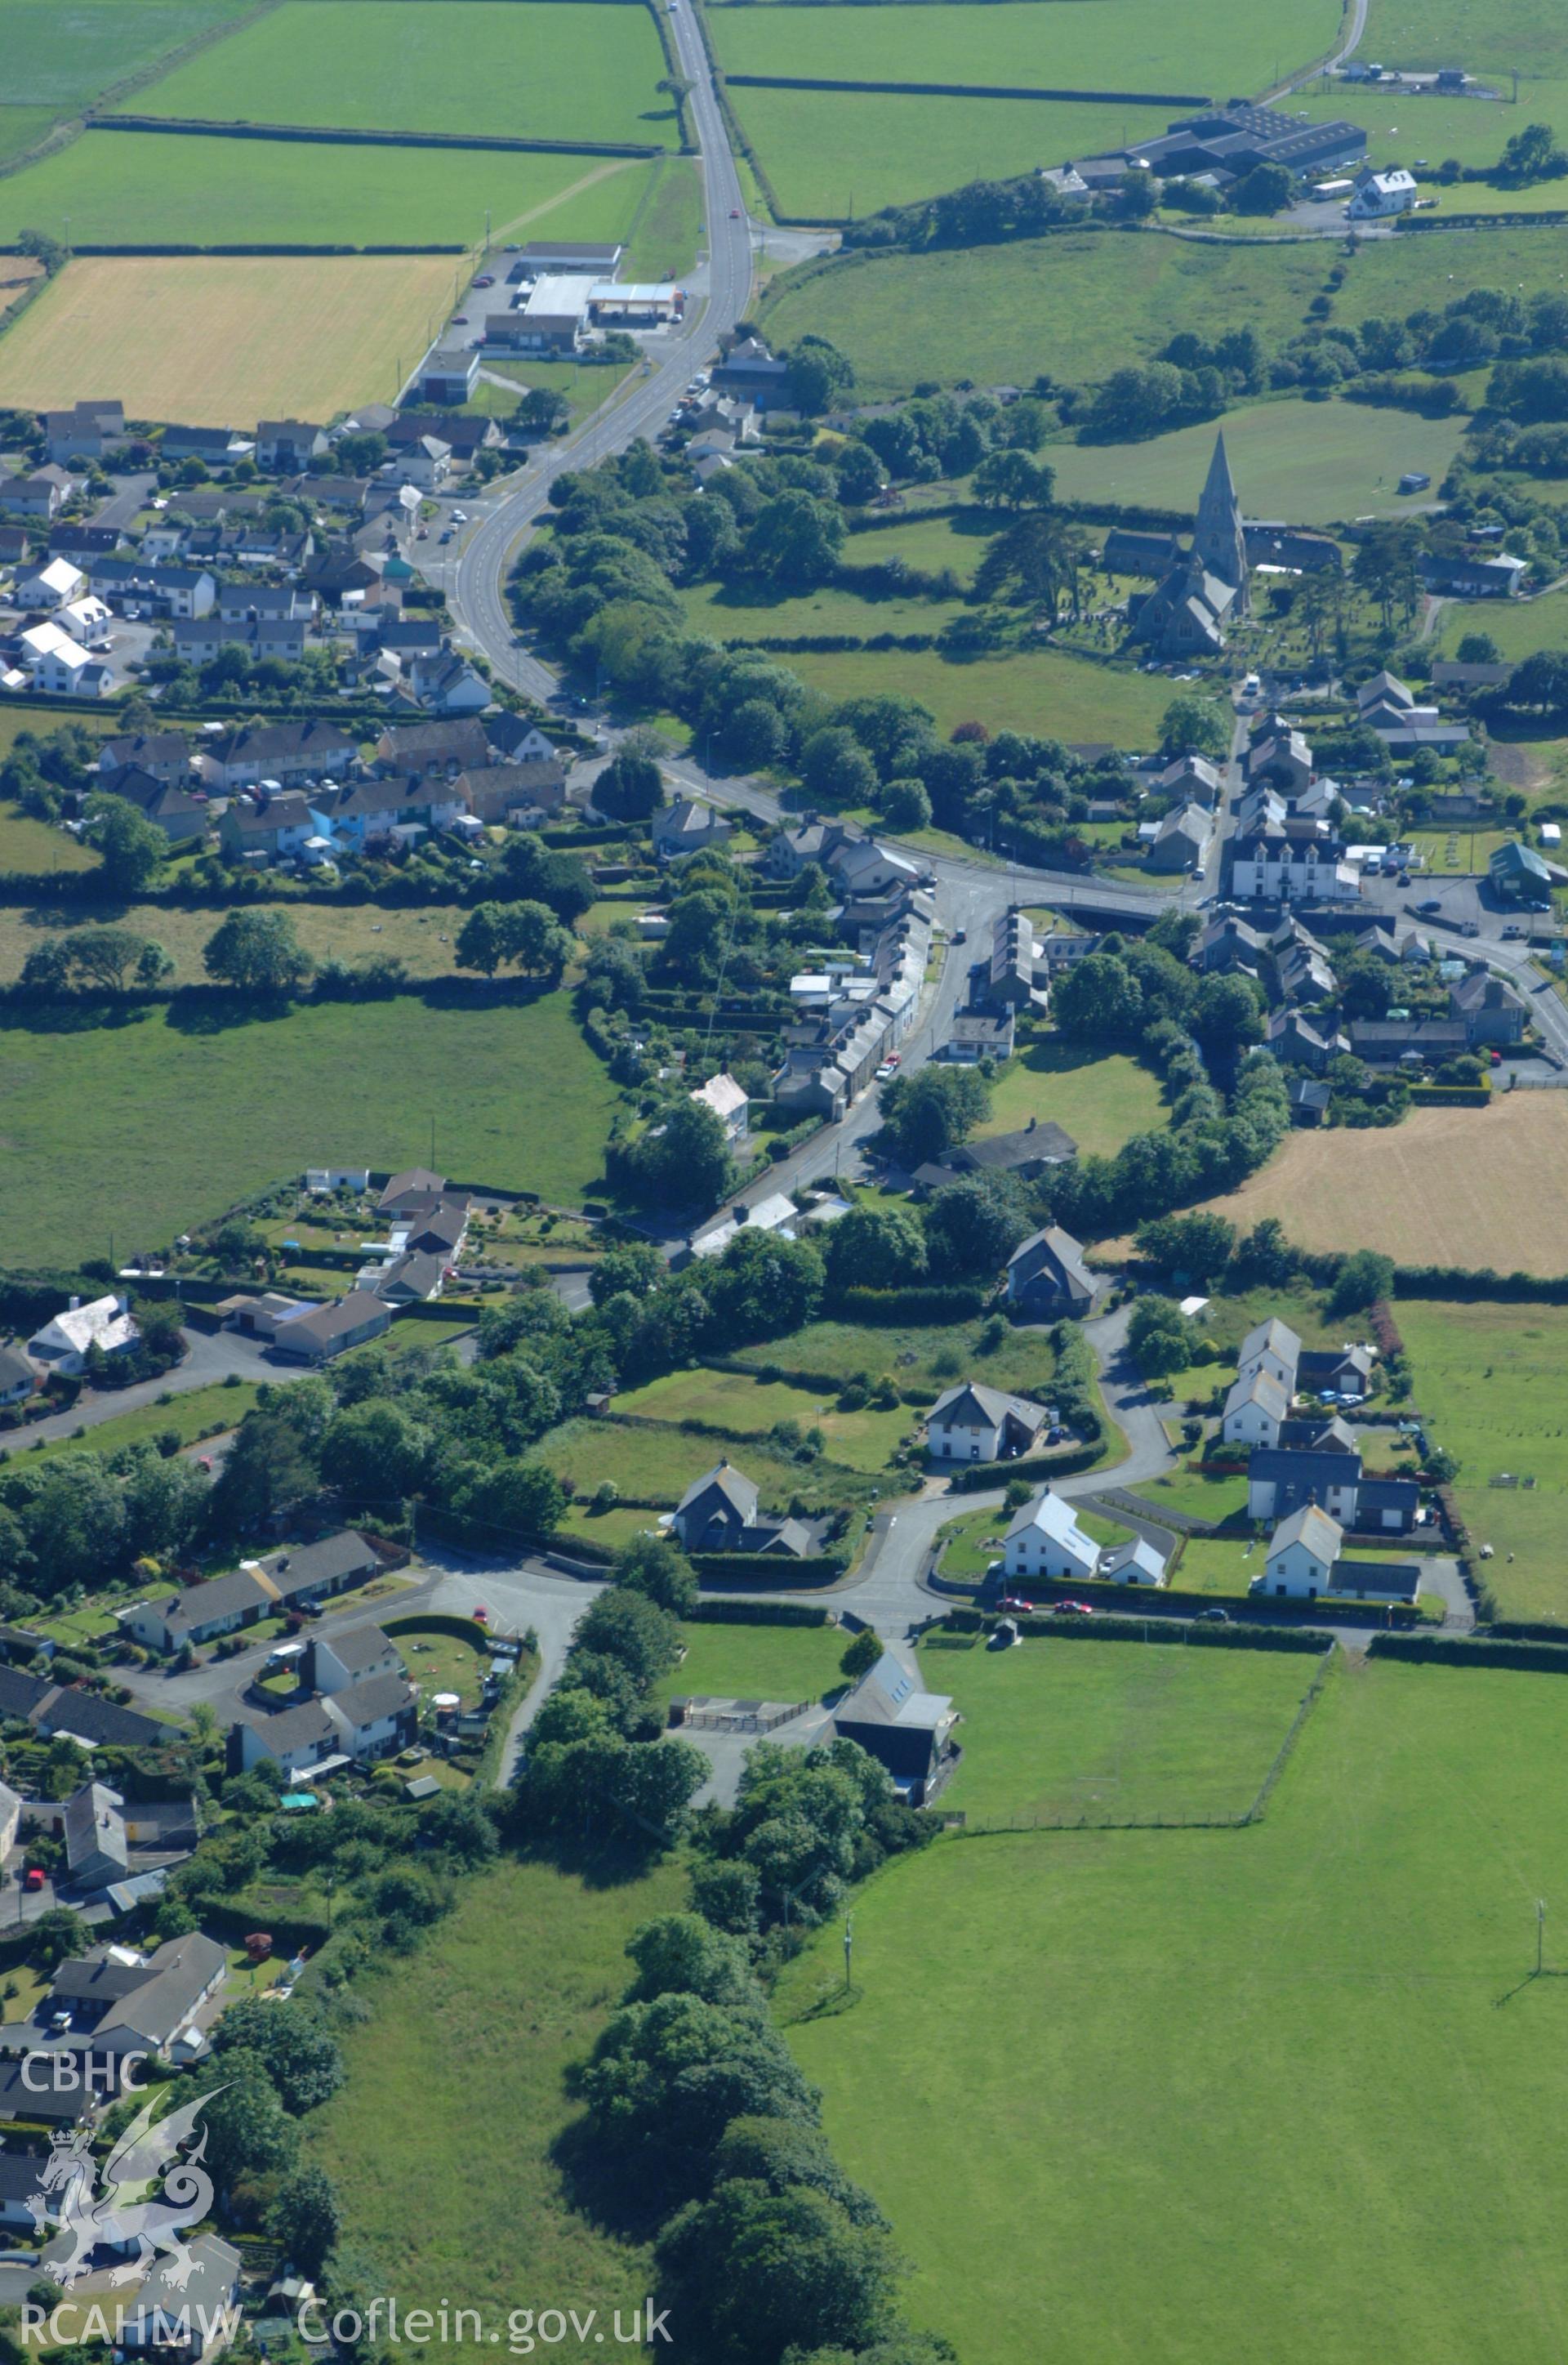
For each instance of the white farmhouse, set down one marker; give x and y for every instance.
(1379, 194)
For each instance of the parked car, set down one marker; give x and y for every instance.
(1072, 1609)
(1430, 904)
(484, 280)
(1516, 928)
(1213, 1617)
(33, 1880)
(885, 1071)
(1013, 1601)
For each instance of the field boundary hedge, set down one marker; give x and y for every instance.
(1177, 1630)
(760, 1571)
(966, 90)
(719, 1612)
(169, 247)
(976, 1477)
(1549, 1658)
(196, 126)
(441, 1622)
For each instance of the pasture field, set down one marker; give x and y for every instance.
(1474, 131)
(236, 338)
(667, 230)
(189, 1412)
(19, 127)
(1312, 462)
(1159, 2001)
(556, 69)
(443, 2198)
(659, 1464)
(729, 612)
(1082, 303)
(929, 542)
(832, 155)
(1163, 46)
(29, 843)
(862, 1440)
(1045, 691)
(1065, 1729)
(1426, 1192)
(1519, 627)
(119, 188)
(1101, 1102)
(357, 931)
(917, 1357)
(144, 1127)
(1494, 35)
(1491, 1382)
(61, 58)
(772, 1663)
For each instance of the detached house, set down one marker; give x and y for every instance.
(42, 495)
(1045, 1539)
(718, 1513)
(64, 1343)
(971, 1423)
(1255, 1411)
(1047, 1278)
(286, 446)
(688, 827)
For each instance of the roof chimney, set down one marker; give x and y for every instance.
(75, 1304)
(1034, 1121)
(741, 1212)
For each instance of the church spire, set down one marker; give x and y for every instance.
(1219, 544)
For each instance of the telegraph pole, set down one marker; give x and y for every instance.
(1540, 1934)
(849, 1949)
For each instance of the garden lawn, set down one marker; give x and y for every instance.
(1101, 1100)
(61, 58)
(1518, 627)
(614, 1528)
(1064, 1729)
(443, 1663)
(659, 1464)
(190, 1414)
(144, 1129)
(117, 190)
(1168, 47)
(746, 1407)
(28, 843)
(1491, 1385)
(444, 2198)
(1044, 692)
(1082, 303)
(1312, 462)
(1428, 1191)
(556, 69)
(192, 338)
(764, 1662)
(1222, 1566)
(1161, 2003)
(1213, 1500)
(916, 1356)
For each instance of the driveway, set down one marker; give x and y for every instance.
(209, 1358)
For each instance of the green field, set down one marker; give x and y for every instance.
(1497, 34)
(20, 127)
(932, 543)
(1046, 691)
(1108, 1731)
(725, 611)
(833, 155)
(190, 1412)
(1164, 45)
(667, 228)
(558, 69)
(1101, 1102)
(659, 1464)
(1492, 1383)
(916, 1357)
(453, 2204)
(746, 1407)
(144, 1129)
(1519, 627)
(1081, 305)
(114, 189)
(1400, 126)
(770, 1662)
(61, 58)
(26, 844)
(1147, 2116)
(1311, 462)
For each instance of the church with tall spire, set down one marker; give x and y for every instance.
(1187, 612)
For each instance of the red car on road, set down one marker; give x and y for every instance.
(1070, 1609)
(32, 1880)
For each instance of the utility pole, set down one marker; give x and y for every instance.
(1539, 1933)
(849, 1949)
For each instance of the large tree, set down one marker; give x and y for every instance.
(258, 953)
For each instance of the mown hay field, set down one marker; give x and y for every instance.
(1472, 1187)
(555, 69)
(237, 339)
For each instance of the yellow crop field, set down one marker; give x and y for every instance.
(224, 341)
(1447, 1186)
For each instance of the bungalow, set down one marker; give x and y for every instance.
(17, 1377)
(219, 447)
(1387, 1042)
(415, 1191)
(187, 2310)
(513, 739)
(971, 1423)
(412, 1279)
(220, 1606)
(1045, 1539)
(1255, 1411)
(977, 1035)
(689, 827)
(1047, 1278)
(331, 1331)
(65, 1341)
(908, 1731)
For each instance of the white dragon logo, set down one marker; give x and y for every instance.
(87, 2217)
